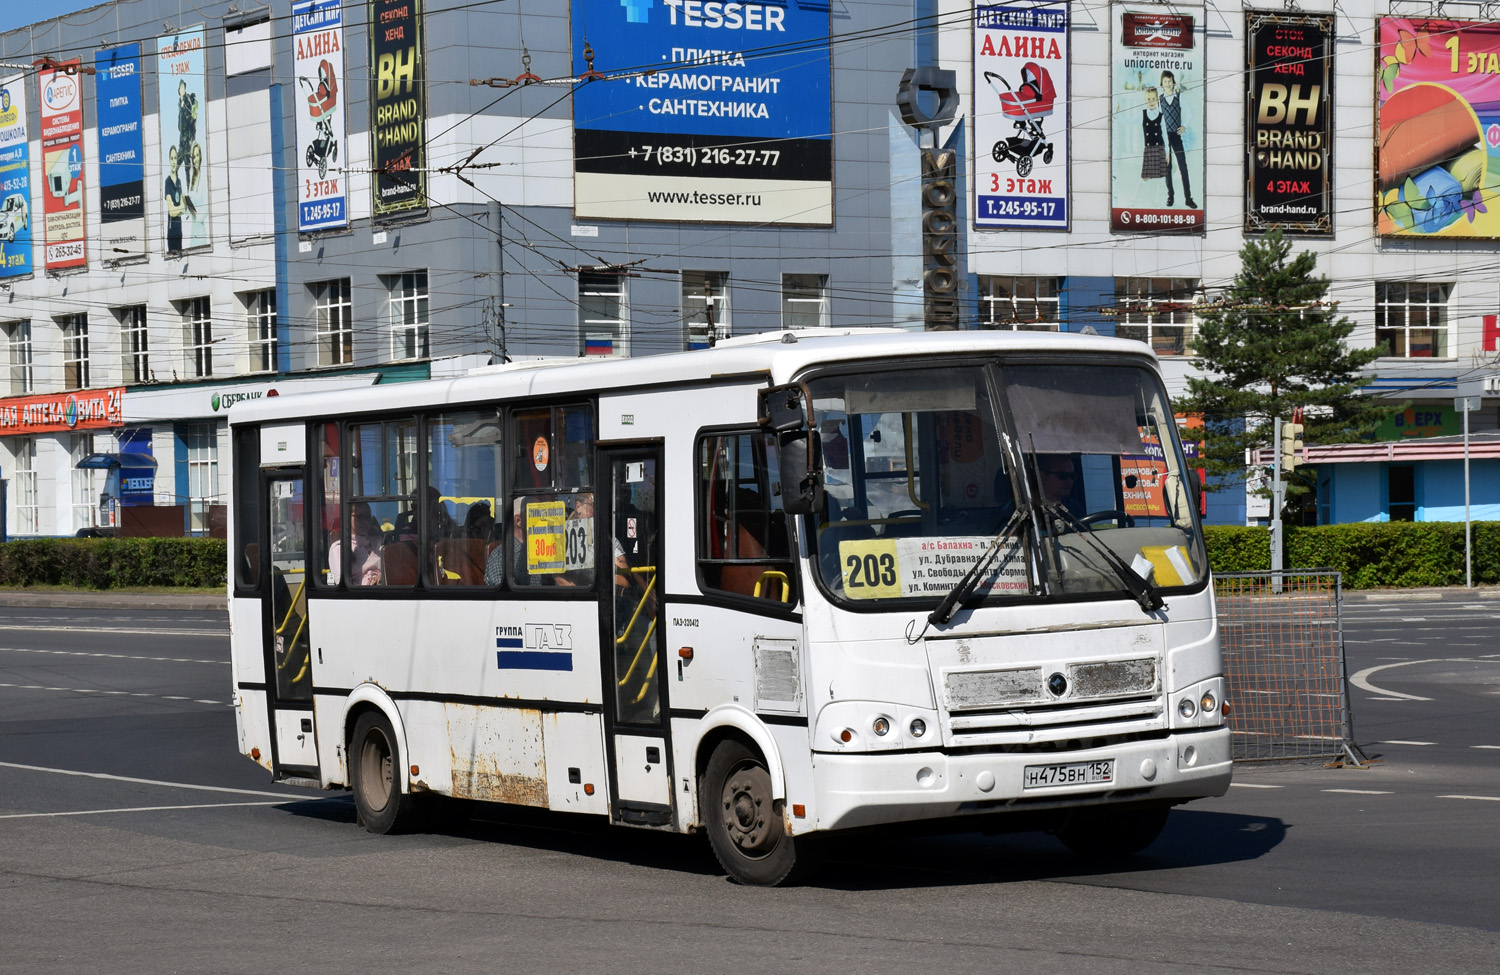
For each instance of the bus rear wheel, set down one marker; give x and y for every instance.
(743, 819)
(1104, 832)
(375, 775)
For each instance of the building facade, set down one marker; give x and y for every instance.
(200, 207)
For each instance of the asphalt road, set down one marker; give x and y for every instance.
(133, 838)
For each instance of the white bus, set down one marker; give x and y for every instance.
(800, 582)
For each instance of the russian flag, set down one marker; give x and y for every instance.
(598, 346)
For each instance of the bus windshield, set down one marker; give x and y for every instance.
(1074, 472)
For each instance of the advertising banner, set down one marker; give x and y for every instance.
(182, 99)
(1289, 115)
(717, 112)
(122, 159)
(318, 62)
(1021, 116)
(62, 164)
(1156, 142)
(15, 180)
(1438, 157)
(398, 108)
(86, 409)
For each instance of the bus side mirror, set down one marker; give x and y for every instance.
(801, 463)
(786, 410)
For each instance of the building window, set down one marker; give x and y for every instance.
(1157, 311)
(601, 313)
(1022, 304)
(203, 474)
(1411, 319)
(18, 340)
(409, 315)
(85, 483)
(804, 300)
(260, 319)
(335, 312)
(197, 337)
(75, 336)
(705, 307)
(134, 344)
(23, 472)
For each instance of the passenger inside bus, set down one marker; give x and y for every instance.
(364, 553)
(1057, 478)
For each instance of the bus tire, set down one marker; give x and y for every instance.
(743, 819)
(375, 776)
(1104, 832)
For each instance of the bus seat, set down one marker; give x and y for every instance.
(398, 564)
(464, 557)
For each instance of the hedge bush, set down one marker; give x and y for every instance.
(113, 563)
(1370, 554)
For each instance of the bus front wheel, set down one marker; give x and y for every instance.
(743, 820)
(375, 775)
(1100, 831)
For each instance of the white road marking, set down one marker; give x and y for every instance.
(1387, 699)
(1361, 680)
(1496, 747)
(112, 656)
(1253, 785)
(1479, 798)
(170, 785)
(1361, 792)
(140, 631)
(1398, 741)
(95, 690)
(101, 812)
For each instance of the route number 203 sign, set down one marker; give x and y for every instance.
(890, 568)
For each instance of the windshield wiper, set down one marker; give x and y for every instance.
(965, 587)
(1140, 588)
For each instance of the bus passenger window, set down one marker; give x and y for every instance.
(383, 475)
(552, 499)
(324, 565)
(463, 480)
(743, 542)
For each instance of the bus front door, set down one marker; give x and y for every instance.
(288, 646)
(641, 787)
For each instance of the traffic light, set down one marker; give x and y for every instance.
(1291, 445)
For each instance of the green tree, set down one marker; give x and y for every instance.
(1270, 345)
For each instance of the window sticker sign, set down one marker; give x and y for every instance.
(1438, 141)
(62, 164)
(890, 568)
(1021, 116)
(15, 179)
(1156, 134)
(546, 546)
(318, 63)
(703, 111)
(1289, 115)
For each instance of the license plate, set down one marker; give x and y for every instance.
(1071, 773)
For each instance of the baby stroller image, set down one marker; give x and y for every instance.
(1028, 105)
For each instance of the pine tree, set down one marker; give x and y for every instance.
(1270, 345)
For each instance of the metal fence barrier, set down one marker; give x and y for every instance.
(1282, 637)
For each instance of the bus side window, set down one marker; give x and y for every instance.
(383, 474)
(463, 481)
(552, 499)
(247, 506)
(328, 526)
(743, 542)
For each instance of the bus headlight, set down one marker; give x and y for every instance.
(918, 727)
(881, 726)
(1186, 707)
(1209, 702)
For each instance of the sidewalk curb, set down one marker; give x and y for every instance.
(21, 599)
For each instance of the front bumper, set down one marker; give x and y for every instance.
(869, 789)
